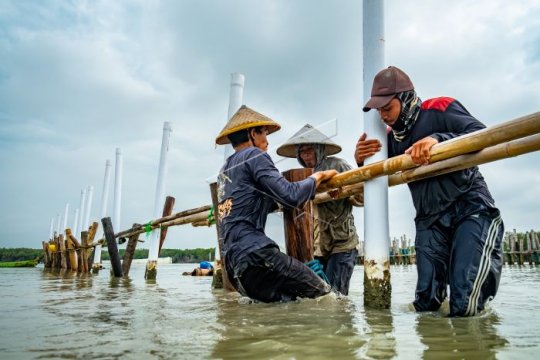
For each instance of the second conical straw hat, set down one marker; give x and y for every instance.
(308, 135)
(245, 118)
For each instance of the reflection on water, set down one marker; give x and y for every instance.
(61, 314)
(315, 329)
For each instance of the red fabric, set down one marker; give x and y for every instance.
(440, 103)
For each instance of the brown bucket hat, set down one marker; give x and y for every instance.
(386, 85)
(245, 118)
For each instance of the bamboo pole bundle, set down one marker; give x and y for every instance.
(514, 129)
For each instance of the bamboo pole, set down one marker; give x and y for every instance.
(167, 210)
(493, 153)
(507, 131)
(73, 259)
(219, 266)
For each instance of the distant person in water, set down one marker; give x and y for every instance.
(249, 188)
(335, 237)
(458, 228)
(205, 268)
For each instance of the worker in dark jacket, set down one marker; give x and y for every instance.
(458, 228)
(249, 188)
(335, 237)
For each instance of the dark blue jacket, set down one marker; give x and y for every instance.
(249, 185)
(443, 118)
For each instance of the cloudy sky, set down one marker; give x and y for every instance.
(80, 78)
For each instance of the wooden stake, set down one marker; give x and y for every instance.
(167, 210)
(219, 265)
(108, 231)
(130, 251)
(298, 222)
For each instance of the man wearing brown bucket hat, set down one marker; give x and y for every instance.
(335, 237)
(249, 188)
(458, 228)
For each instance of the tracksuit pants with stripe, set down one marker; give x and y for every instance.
(464, 253)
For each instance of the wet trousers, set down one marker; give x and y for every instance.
(464, 254)
(271, 275)
(339, 268)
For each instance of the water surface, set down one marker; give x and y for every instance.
(52, 314)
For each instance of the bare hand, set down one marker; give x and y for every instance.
(321, 176)
(366, 148)
(420, 151)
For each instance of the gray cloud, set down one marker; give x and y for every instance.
(79, 79)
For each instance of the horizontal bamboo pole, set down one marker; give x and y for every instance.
(163, 221)
(493, 153)
(510, 130)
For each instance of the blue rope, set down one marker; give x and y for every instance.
(317, 268)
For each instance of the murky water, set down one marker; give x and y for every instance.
(64, 315)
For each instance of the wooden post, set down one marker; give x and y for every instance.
(112, 247)
(73, 259)
(167, 210)
(219, 265)
(83, 264)
(62, 249)
(298, 222)
(89, 248)
(47, 258)
(130, 251)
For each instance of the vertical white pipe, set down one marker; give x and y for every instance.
(81, 213)
(117, 189)
(376, 227)
(103, 210)
(58, 220)
(89, 196)
(66, 214)
(159, 199)
(236, 95)
(75, 222)
(51, 231)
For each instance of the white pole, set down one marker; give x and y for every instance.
(376, 227)
(103, 212)
(81, 213)
(51, 231)
(159, 201)
(66, 214)
(58, 220)
(117, 189)
(236, 95)
(75, 222)
(90, 194)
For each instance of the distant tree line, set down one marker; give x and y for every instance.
(177, 255)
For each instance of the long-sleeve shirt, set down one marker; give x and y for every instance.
(249, 185)
(443, 118)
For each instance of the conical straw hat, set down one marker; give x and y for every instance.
(245, 118)
(308, 135)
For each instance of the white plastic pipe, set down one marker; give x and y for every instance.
(117, 189)
(75, 222)
(51, 231)
(80, 227)
(376, 227)
(236, 95)
(66, 214)
(89, 196)
(159, 199)
(58, 221)
(103, 210)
